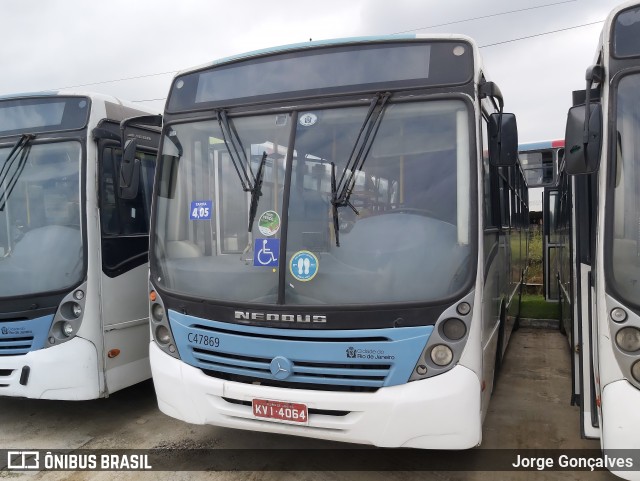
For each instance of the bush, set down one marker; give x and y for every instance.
(535, 271)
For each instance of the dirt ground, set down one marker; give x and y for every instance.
(530, 409)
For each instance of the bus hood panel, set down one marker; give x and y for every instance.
(366, 358)
(21, 337)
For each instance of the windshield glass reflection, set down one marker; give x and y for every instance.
(40, 229)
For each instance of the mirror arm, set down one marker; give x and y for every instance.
(150, 120)
(595, 73)
(491, 90)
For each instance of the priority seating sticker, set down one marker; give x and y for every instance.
(304, 266)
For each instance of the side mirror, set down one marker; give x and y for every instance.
(582, 156)
(129, 178)
(503, 140)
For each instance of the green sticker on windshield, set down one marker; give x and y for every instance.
(269, 223)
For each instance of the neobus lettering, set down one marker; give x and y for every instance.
(261, 316)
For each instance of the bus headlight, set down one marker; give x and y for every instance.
(635, 371)
(618, 314)
(67, 320)
(157, 312)
(163, 335)
(463, 308)
(441, 355)
(454, 329)
(446, 339)
(160, 324)
(67, 329)
(628, 339)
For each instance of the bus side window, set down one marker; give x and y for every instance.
(488, 174)
(124, 222)
(123, 216)
(108, 207)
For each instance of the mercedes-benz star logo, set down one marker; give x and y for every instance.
(281, 367)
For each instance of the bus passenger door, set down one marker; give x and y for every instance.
(124, 278)
(551, 245)
(586, 325)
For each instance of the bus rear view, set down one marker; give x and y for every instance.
(315, 239)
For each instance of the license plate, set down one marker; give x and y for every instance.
(286, 412)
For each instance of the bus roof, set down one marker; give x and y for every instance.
(80, 93)
(545, 144)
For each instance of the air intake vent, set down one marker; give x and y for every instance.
(13, 346)
(354, 360)
(305, 372)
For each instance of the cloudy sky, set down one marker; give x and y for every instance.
(132, 48)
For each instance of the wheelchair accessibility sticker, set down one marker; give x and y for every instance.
(265, 252)
(303, 266)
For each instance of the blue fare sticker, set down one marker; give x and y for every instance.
(266, 252)
(303, 266)
(201, 210)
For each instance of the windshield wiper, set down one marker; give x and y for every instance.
(334, 195)
(256, 191)
(14, 165)
(231, 136)
(250, 182)
(172, 135)
(342, 190)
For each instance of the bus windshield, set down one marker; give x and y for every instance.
(40, 236)
(626, 33)
(539, 168)
(626, 221)
(403, 237)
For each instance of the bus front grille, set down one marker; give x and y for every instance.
(15, 346)
(303, 373)
(350, 360)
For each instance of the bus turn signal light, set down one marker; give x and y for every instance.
(113, 353)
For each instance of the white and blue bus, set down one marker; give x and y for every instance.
(540, 163)
(337, 242)
(602, 152)
(73, 247)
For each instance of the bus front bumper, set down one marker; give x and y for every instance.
(68, 371)
(442, 412)
(621, 425)
(621, 416)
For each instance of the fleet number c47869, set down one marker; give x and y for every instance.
(203, 340)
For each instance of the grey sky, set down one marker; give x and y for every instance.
(65, 43)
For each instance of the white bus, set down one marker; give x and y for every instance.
(540, 161)
(333, 254)
(73, 247)
(602, 150)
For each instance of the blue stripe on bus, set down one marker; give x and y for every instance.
(366, 358)
(21, 337)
